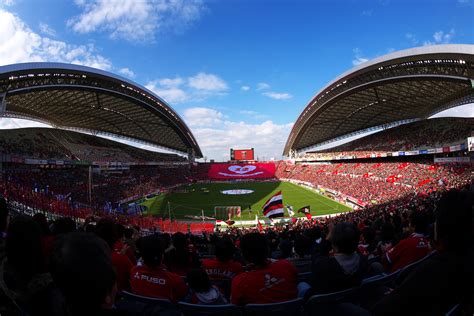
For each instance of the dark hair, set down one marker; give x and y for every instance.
(23, 246)
(128, 233)
(198, 280)
(82, 269)
(63, 225)
(345, 238)
(254, 248)
(179, 240)
(120, 230)
(419, 220)
(3, 214)
(224, 249)
(302, 245)
(454, 220)
(152, 249)
(107, 230)
(42, 223)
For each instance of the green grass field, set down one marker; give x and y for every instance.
(196, 200)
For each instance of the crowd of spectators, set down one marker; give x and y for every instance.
(378, 181)
(49, 143)
(424, 134)
(60, 268)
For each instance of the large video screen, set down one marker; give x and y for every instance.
(242, 154)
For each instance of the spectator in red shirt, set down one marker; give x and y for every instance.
(151, 278)
(107, 230)
(267, 282)
(445, 278)
(223, 267)
(412, 248)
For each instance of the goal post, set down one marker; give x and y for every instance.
(227, 212)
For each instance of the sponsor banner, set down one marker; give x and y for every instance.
(423, 152)
(241, 171)
(431, 150)
(455, 147)
(452, 160)
(388, 155)
(446, 149)
(59, 162)
(395, 154)
(51, 162)
(401, 153)
(42, 162)
(31, 161)
(411, 153)
(438, 150)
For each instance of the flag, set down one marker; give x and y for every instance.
(291, 213)
(274, 206)
(305, 209)
(308, 216)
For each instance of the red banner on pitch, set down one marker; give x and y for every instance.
(221, 171)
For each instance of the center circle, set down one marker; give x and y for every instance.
(237, 192)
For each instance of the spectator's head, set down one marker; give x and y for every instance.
(418, 222)
(286, 246)
(369, 235)
(254, 248)
(224, 249)
(23, 246)
(42, 222)
(128, 233)
(120, 231)
(64, 225)
(3, 215)
(152, 249)
(345, 238)
(82, 269)
(302, 245)
(198, 280)
(107, 230)
(387, 231)
(179, 241)
(454, 220)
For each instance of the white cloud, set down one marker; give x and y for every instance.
(136, 20)
(441, 37)
(262, 86)
(277, 96)
(358, 59)
(7, 3)
(198, 87)
(171, 94)
(216, 134)
(171, 83)
(245, 88)
(367, 12)
(127, 72)
(18, 43)
(46, 29)
(200, 116)
(207, 82)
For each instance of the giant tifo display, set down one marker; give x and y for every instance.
(241, 171)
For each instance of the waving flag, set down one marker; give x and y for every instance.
(305, 209)
(274, 206)
(291, 213)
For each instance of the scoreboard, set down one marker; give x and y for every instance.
(242, 154)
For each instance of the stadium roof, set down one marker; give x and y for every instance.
(83, 98)
(405, 85)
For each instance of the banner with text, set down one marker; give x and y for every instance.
(242, 171)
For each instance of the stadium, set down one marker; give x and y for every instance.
(386, 185)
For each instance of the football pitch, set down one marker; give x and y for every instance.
(196, 198)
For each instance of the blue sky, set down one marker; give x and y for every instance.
(238, 72)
